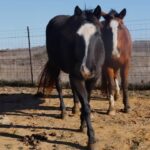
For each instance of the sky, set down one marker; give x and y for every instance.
(16, 15)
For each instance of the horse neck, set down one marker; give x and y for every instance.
(124, 38)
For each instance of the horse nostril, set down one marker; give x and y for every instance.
(93, 72)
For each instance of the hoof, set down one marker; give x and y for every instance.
(116, 96)
(111, 112)
(92, 116)
(127, 110)
(82, 129)
(75, 110)
(63, 114)
(91, 146)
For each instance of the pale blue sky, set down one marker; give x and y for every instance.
(17, 14)
(36, 13)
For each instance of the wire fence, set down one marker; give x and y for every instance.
(15, 61)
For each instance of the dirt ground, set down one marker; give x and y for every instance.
(30, 123)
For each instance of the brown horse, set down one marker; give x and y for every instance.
(118, 46)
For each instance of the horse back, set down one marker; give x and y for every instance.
(59, 42)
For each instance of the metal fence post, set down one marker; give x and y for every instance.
(30, 56)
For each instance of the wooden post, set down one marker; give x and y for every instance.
(30, 56)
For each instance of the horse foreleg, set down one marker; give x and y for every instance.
(90, 84)
(111, 87)
(117, 89)
(80, 88)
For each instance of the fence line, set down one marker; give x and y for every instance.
(22, 59)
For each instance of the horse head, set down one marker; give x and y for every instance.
(112, 26)
(89, 45)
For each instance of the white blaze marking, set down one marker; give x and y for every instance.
(86, 31)
(114, 25)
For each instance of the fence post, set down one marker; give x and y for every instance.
(29, 46)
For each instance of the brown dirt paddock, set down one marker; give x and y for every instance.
(27, 122)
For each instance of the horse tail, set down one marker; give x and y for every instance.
(47, 79)
(104, 82)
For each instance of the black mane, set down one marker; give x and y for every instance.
(87, 15)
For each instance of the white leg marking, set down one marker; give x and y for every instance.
(114, 26)
(111, 110)
(117, 86)
(112, 102)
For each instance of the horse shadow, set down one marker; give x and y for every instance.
(14, 104)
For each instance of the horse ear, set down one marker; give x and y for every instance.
(97, 12)
(122, 13)
(77, 11)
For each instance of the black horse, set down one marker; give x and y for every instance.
(74, 45)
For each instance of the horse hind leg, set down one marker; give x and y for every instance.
(59, 90)
(75, 108)
(124, 78)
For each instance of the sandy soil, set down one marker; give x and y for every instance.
(30, 123)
